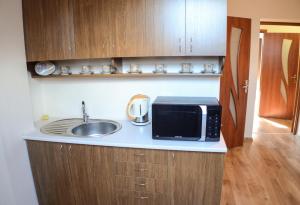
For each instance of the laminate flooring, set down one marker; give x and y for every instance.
(266, 170)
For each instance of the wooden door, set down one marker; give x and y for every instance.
(280, 57)
(48, 29)
(197, 178)
(49, 165)
(234, 81)
(206, 27)
(91, 172)
(165, 28)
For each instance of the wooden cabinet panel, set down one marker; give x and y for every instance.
(81, 29)
(165, 28)
(114, 28)
(93, 28)
(206, 27)
(141, 184)
(49, 165)
(80, 174)
(197, 178)
(140, 155)
(91, 174)
(140, 170)
(48, 28)
(141, 198)
(129, 32)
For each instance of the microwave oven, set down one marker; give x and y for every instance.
(186, 118)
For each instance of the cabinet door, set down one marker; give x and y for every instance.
(50, 170)
(129, 31)
(48, 29)
(197, 178)
(206, 27)
(91, 170)
(165, 27)
(93, 26)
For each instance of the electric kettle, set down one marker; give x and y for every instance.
(138, 110)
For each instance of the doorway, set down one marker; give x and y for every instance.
(277, 105)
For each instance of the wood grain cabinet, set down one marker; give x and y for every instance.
(82, 29)
(82, 174)
(48, 29)
(206, 27)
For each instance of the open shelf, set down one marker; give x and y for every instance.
(127, 75)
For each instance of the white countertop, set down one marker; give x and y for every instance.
(131, 136)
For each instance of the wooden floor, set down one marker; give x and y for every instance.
(263, 171)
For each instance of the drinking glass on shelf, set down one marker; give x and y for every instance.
(134, 68)
(65, 70)
(186, 68)
(160, 68)
(86, 69)
(208, 68)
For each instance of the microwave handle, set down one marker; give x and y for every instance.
(204, 122)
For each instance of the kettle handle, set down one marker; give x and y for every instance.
(131, 102)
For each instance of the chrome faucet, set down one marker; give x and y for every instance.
(85, 116)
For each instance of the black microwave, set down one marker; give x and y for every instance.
(186, 118)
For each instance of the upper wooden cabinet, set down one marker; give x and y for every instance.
(79, 29)
(206, 27)
(165, 28)
(48, 29)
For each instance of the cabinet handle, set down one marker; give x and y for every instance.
(141, 170)
(70, 147)
(139, 154)
(60, 147)
(191, 45)
(141, 184)
(142, 197)
(180, 49)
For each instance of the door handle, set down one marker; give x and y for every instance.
(294, 77)
(245, 86)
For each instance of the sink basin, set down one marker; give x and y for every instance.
(96, 129)
(76, 128)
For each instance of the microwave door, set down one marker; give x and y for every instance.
(204, 122)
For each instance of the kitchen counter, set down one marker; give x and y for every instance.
(130, 136)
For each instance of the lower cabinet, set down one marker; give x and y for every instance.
(95, 175)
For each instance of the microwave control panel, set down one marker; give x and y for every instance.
(213, 124)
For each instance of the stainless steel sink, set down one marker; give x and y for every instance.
(95, 129)
(77, 128)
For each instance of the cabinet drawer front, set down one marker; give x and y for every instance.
(140, 184)
(141, 170)
(141, 198)
(141, 155)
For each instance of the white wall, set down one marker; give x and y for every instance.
(16, 184)
(257, 10)
(108, 98)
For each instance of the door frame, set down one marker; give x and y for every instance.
(296, 113)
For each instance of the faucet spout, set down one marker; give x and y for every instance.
(85, 116)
